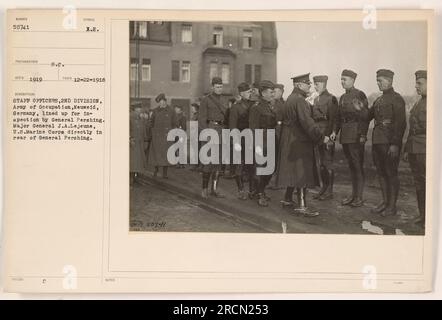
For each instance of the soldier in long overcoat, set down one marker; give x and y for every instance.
(299, 135)
(137, 136)
(162, 121)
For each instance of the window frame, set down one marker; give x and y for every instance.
(220, 32)
(211, 76)
(247, 35)
(146, 64)
(186, 27)
(133, 70)
(224, 79)
(184, 66)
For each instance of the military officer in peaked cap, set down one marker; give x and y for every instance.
(415, 148)
(299, 134)
(388, 112)
(352, 124)
(212, 113)
(263, 116)
(324, 112)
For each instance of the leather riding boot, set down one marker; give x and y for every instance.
(328, 194)
(262, 201)
(215, 181)
(324, 178)
(391, 209)
(383, 204)
(288, 197)
(240, 184)
(302, 204)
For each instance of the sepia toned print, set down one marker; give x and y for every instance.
(334, 113)
(244, 143)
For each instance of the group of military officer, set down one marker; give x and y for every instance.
(306, 134)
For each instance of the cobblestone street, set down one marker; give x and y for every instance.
(153, 209)
(175, 204)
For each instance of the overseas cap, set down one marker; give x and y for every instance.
(160, 97)
(266, 84)
(349, 73)
(322, 78)
(385, 73)
(216, 80)
(421, 74)
(243, 86)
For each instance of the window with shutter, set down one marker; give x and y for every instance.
(175, 70)
(248, 73)
(257, 72)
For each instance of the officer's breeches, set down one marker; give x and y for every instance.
(326, 155)
(387, 171)
(386, 166)
(354, 152)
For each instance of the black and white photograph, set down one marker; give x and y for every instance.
(278, 127)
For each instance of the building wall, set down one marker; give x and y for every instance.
(162, 54)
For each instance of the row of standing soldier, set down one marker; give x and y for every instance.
(148, 132)
(306, 133)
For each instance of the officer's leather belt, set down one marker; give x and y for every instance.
(215, 122)
(382, 123)
(418, 131)
(321, 119)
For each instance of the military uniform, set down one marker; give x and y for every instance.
(262, 116)
(299, 135)
(212, 113)
(416, 146)
(388, 112)
(352, 124)
(278, 106)
(181, 121)
(162, 121)
(239, 119)
(137, 137)
(324, 112)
